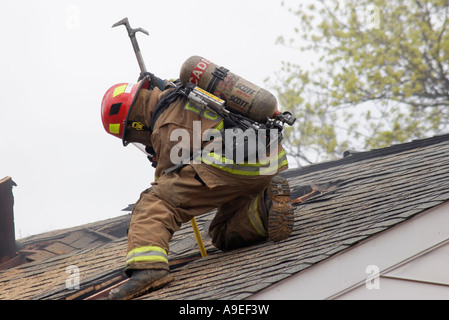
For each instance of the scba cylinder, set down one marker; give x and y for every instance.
(239, 94)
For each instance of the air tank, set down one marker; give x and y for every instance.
(239, 94)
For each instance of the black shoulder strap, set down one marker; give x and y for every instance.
(164, 103)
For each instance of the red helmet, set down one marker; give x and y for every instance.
(116, 104)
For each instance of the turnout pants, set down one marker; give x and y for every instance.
(177, 197)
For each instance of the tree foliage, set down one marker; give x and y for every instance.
(379, 75)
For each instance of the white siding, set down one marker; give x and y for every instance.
(412, 260)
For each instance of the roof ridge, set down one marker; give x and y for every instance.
(351, 157)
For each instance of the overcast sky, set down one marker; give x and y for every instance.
(57, 60)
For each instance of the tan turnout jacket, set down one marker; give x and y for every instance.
(175, 198)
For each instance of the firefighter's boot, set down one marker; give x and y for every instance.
(279, 217)
(141, 282)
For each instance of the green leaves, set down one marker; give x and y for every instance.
(381, 75)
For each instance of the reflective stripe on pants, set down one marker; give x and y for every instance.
(147, 254)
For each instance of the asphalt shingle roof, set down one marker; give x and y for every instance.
(371, 192)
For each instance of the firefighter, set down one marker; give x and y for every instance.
(252, 200)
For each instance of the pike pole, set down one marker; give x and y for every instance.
(143, 72)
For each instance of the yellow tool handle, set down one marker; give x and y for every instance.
(199, 240)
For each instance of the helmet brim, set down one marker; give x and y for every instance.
(143, 84)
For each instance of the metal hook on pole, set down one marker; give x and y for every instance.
(132, 36)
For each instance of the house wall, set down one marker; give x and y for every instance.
(408, 261)
(425, 276)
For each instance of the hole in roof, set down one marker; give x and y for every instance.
(305, 193)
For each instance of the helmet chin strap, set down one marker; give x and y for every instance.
(149, 152)
(141, 147)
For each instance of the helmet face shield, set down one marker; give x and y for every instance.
(116, 105)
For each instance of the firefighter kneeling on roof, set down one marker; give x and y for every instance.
(253, 202)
